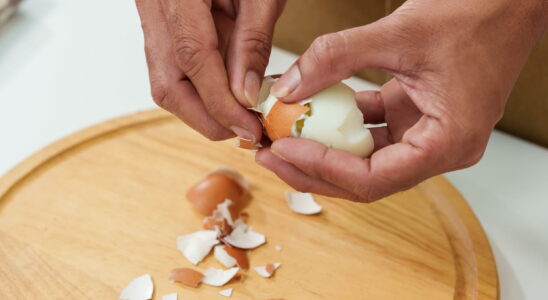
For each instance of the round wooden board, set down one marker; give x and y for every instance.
(84, 216)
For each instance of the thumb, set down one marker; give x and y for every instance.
(334, 57)
(250, 46)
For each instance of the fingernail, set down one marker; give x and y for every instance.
(252, 85)
(287, 83)
(243, 133)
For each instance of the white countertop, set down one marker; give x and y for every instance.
(68, 64)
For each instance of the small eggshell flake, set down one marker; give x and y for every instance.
(140, 288)
(218, 277)
(186, 276)
(244, 238)
(268, 270)
(278, 248)
(248, 144)
(303, 203)
(196, 246)
(226, 292)
(172, 296)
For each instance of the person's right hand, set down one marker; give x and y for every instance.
(454, 63)
(206, 60)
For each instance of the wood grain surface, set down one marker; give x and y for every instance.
(84, 216)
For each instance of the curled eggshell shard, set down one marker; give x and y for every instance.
(215, 188)
(218, 277)
(196, 246)
(239, 255)
(303, 203)
(186, 276)
(140, 288)
(281, 118)
(172, 296)
(268, 270)
(245, 238)
(330, 117)
(226, 292)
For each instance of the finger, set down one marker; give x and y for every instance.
(381, 137)
(394, 168)
(196, 52)
(250, 47)
(371, 105)
(297, 179)
(168, 90)
(224, 26)
(336, 56)
(401, 113)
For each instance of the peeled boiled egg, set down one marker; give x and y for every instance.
(330, 117)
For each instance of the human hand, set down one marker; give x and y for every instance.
(206, 60)
(454, 64)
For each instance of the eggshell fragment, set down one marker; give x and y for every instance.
(197, 245)
(172, 296)
(230, 257)
(218, 277)
(222, 256)
(267, 270)
(303, 203)
(226, 292)
(186, 276)
(280, 120)
(140, 288)
(245, 238)
(278, 248)
(248, 144)
(213, 190)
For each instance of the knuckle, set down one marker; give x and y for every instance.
(160, 93)
(322, 51)
(191, 52)
(258, 41)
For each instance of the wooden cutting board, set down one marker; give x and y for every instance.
(84, 216)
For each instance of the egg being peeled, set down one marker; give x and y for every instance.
(330, 117)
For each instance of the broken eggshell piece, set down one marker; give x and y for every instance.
(244, 237)
(172, 296)
(226, 292)
(330, 117)
(186, 276)
(267, 270)
(140, 288)
(197, 245)
(303, 203)
(217, 186)
(218, 277)
(230, 257)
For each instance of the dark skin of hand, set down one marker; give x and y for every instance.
(453, 63)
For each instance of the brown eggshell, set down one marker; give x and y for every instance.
(239, 255)
(269, 268)
(213, 190)
(186, 276)
(247, 144)
(281, 117)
